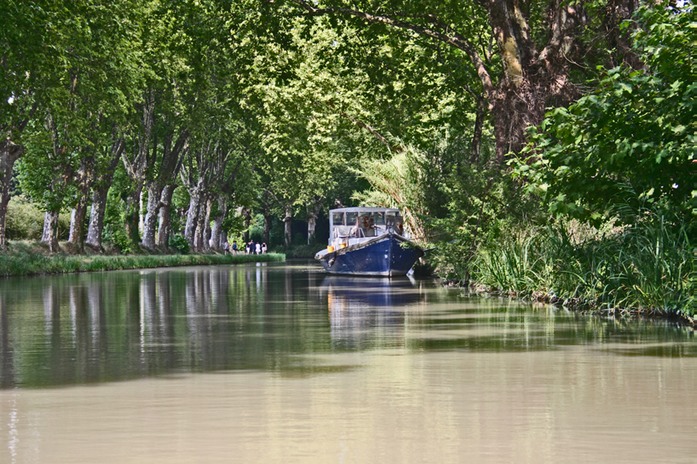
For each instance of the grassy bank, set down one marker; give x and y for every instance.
(645, 270)
(30, 260)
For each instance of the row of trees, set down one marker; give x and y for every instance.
(124, 101)
(144, 116)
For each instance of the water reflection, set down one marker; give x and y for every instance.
(367, 312)
(124, 325)
(113, 326)
(310, 368)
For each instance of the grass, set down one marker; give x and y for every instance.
(24, 259)
(647, 269)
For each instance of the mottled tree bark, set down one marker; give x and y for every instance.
(136, 167)
(172, 154)
(312, 215)
(49, 235)
(97, 212)
(217, 232)
(192, 214)
(132, 214)
(99, 197)
(165, 220)
(9, 154)
(288, 226)
(151, 216)
(203, 228)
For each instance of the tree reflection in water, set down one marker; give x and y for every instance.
(122, 325)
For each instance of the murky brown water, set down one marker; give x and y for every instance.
(283, 364)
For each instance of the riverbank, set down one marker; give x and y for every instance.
(24, 259)
(648, 270)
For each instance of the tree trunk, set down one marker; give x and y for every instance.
(516, 109)
(99, 197)
(4, 201)
(217, 229)
(97, 212)
(132, 215)
(267, 227)
(203, 228)
(311, 226)
(137, 167)
(165, 230)
(152, 213)
(50, 232)
(288, 226)
(247, 214)
(192, 215)
(9, 154)
(477, 130)
(77, 223)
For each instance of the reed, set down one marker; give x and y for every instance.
(647, 269)
(26, 263)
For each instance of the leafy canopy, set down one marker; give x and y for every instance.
(630, 144)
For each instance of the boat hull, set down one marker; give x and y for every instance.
(387, 256)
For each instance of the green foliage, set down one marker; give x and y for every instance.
(24, 220)
(648, 268)
(482, 204)
(630, 144)
(398, 182)
(114, 233)
(180, 243)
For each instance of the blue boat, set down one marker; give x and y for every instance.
(368, 241)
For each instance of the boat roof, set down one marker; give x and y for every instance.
(362, 209)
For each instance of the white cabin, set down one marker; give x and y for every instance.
(350, 226)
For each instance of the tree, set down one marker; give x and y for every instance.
(523, 52)
(629, 144)
(76, 80)
(25, 70)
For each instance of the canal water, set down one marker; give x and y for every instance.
(282, 363)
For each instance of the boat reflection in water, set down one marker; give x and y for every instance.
(368, 312)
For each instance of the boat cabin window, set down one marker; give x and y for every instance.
(379, 218)
(351, 219)
(362, 223)
(338, 219)
(394, 221)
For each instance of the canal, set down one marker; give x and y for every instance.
(282, 363)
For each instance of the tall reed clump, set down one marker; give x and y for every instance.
(646, 268)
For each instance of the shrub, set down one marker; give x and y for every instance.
(180, 243)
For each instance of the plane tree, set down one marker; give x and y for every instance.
(84, 99)
(629, 145)
(525, 54)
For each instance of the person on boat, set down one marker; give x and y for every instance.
(399, 227)
(370, 226)
(357, 230)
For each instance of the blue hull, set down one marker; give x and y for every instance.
(388, 255)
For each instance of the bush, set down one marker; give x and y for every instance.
(180, 243)
(117, 238)
(24, 220)
(646, 268)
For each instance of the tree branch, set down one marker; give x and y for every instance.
(434, 29)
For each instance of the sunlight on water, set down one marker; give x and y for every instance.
(285, 364)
